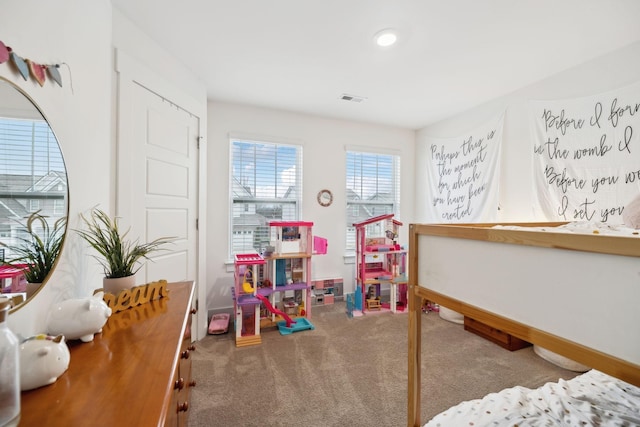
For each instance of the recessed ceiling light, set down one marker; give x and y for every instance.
(386, 37)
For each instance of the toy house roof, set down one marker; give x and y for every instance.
(290, 224)
(376, 219)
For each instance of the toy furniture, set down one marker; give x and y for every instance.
(350, 300)
(289, 266)
(373, 304)
(275, 290)
(326, 291)
(380, 261)
(219, 324)
(12, 278)
(246, 305)
(500, 276)
(301, 324)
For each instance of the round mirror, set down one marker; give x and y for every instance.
(33, 195)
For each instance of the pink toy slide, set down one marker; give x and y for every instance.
(272, 309)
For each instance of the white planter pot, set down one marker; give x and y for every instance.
(114, 286)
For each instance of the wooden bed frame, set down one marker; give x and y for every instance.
(577, 295)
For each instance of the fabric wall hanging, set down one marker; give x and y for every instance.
(587, 155)
(463, 175)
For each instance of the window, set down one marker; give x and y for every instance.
(58, 207)
(373, 188)
(266, 183)
(34, 205)
(32, 175)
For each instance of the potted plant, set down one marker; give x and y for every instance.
(37, 253)
(120, 257)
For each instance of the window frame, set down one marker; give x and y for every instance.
(395, 186)
(293, 214)
(34, 164)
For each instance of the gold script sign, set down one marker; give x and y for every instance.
(135, 296)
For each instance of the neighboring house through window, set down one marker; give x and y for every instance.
(32, 175)
(266, 179)
(373, 188)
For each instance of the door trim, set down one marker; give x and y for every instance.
(130, 71)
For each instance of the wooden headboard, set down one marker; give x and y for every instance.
(575, 294)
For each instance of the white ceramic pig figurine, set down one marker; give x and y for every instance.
(79, 318)
(43, 359)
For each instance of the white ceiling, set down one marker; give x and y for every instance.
(302, 55)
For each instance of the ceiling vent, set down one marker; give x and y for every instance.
(352, 98)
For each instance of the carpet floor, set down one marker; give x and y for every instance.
(351, 372)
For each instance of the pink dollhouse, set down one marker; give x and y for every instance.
(276, 287)
(246, 304)
(380, 262)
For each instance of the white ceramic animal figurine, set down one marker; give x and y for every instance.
(78, 318)
(43, 359)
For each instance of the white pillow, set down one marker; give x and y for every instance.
(451, 316)
(558, 360)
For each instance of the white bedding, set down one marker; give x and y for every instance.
(590, 399)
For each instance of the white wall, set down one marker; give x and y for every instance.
(80, 33)
(129, 39)
(84, 35)
(142, 60)
(76, 32)
(611, 71)
(324, 141)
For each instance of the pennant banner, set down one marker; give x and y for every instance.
(463, 175)
(26, 67)
(587, 155)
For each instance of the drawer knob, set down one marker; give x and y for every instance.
(192, 347)
(179, 384)
(185, 354)
(194, 311)
(192, 383)
(183, 407)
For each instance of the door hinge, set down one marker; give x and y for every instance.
(197, 224)
(200, 138)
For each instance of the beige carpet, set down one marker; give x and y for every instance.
(350, 372)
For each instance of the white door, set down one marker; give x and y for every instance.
(157, 170)
(164, 183)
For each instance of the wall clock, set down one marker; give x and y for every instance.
(325, 198)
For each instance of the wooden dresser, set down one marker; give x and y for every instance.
(137, 372)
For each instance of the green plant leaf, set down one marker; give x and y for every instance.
(40, 249)
(118, 256)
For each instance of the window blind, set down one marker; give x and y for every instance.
(373, 188)
(32, 175)
(265, 186)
